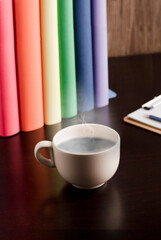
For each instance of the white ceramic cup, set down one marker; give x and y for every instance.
(83, 170)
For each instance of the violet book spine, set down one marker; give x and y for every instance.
(100, 51)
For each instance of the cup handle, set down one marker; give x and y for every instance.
(49, 162)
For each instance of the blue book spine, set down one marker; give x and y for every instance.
(84, 55)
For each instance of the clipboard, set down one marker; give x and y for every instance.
(138, 117)
(142, 125)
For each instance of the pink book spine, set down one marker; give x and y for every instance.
(9, 112)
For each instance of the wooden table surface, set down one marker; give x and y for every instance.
(36, 203)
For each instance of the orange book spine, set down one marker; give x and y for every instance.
(27, 26)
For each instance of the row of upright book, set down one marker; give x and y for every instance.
(53, 61)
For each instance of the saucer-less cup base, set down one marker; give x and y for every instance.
(100, 185)
(82, 170)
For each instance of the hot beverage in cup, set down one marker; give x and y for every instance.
(86, 145)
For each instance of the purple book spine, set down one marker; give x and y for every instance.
(99, 25)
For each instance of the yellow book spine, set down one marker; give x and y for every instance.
(50, 61)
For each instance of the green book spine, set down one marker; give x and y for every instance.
(67, 59)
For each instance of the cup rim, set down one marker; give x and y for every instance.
(89, 153)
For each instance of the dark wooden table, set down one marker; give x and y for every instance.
(36, 203)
